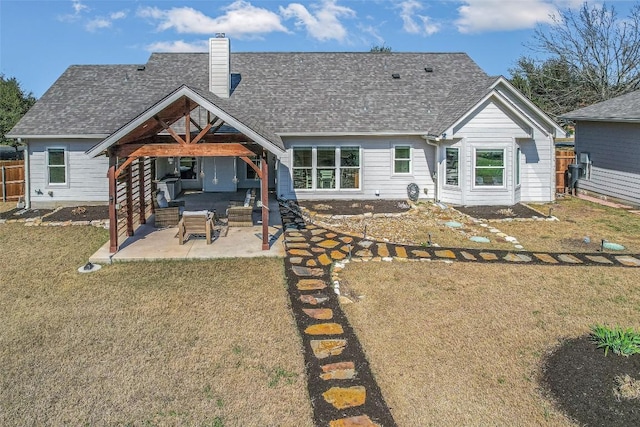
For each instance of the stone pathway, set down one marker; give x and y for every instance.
(342, 389)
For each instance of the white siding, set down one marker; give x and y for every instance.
(376, 168)
(614, 150)
(86, 177)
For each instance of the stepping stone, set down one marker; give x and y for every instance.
(312, 263)
(468, 256)
(317, 231)
(304, 271)
(346, 249)
(569, 259)
(503, 235)
(338, 255)
(346, 239)
(331, 235)
(401, 252)
(517, 258)
(296, 239)
(295, 260)
(345, 397)
(338, 371)
(316, 239)
(364, 253)
(299, 252)
(421, 254)
(546, 258)
(518, 246)
(479, 239)
(629, 261)
(296, 245)
(328, 244)
(613, 246)
(599, 259)
(445, 254)
(488, 256)
(313, 227)
(511, 239)
(294, 234)
(494, 230)
(311, 284)
(324, 329)
(383, 251)
(357, 421)
(325, 348)
(365, 243)
(318, 250)
(314, 299)
(319, 313)
(453, 224)
(324, 259)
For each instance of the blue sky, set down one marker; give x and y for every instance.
(39, 39)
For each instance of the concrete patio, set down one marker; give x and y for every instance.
(154, 244)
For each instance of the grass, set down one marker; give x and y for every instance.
(462, 344)
(157, 343)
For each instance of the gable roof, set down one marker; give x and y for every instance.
(275, 93)
(623, 108)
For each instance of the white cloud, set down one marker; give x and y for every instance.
(118, 15)
(178, 46)
(78, 8)
(414, 23)
(373, 33)
(477, 16)
(99, 22)
(324, 23)
(240, 19)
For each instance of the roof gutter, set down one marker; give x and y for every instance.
(64, 136)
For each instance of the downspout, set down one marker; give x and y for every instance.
(430, 141)
(27, 174)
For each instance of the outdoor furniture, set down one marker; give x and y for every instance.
(195, 222)
(240, 214)
(167, 214)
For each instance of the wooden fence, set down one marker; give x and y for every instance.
(564, 157)
(12, 179)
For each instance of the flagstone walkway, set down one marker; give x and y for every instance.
(341, 386)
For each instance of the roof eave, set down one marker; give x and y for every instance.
(62, 136)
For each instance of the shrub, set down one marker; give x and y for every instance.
(624, 342)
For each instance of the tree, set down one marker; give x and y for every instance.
(596, 53)
(380, 49)
(14, 103)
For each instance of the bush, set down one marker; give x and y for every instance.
(624, 342)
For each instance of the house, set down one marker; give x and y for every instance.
(314, 125)
(606, 146)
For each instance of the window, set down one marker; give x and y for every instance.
(350, 167)
(326, 168)
(188, 167)
(251, 173)
(452, 172)
(489, 170)
(303, 168)
(402, 159)
(56, 166)
(517, 164)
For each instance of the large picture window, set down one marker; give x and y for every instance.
(326, 168)
(401, 159)
(56, 166)
(188, 167)
(489, 170)
(453, 171)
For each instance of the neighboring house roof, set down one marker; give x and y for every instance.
(624, 108)
(275, 94)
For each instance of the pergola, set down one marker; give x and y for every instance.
(157, 132)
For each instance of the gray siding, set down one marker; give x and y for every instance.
(614, 151)
(376, 168)
(86, 177)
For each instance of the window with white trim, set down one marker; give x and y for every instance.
(326, 168)
(402, 159)
(489, 167)
(250, 172)
(56, 166)
(452, 169)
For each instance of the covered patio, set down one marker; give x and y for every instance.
(196, 124)
(154, 244)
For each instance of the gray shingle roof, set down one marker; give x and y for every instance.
(621, 108)
(277, 93)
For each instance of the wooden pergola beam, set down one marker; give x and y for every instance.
(192, 150)
(125, 150)
(253, 166)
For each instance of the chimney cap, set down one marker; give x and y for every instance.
(220, 35)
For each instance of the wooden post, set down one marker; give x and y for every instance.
(142, 203)
(264, 197)
(129, 192)
(113, 199)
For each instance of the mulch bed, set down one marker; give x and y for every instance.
(499, 212)
(79, 213)
(24, 213)
(581, 380)
(355, 207)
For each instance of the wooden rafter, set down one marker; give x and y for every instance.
(187, 121)
(193, 150)
(253, 166)
(166, 127)
(203, 132)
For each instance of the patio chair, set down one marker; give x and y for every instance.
(167, 214)
(240, 214)
(195, 222)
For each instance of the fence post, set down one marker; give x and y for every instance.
(4, 185)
